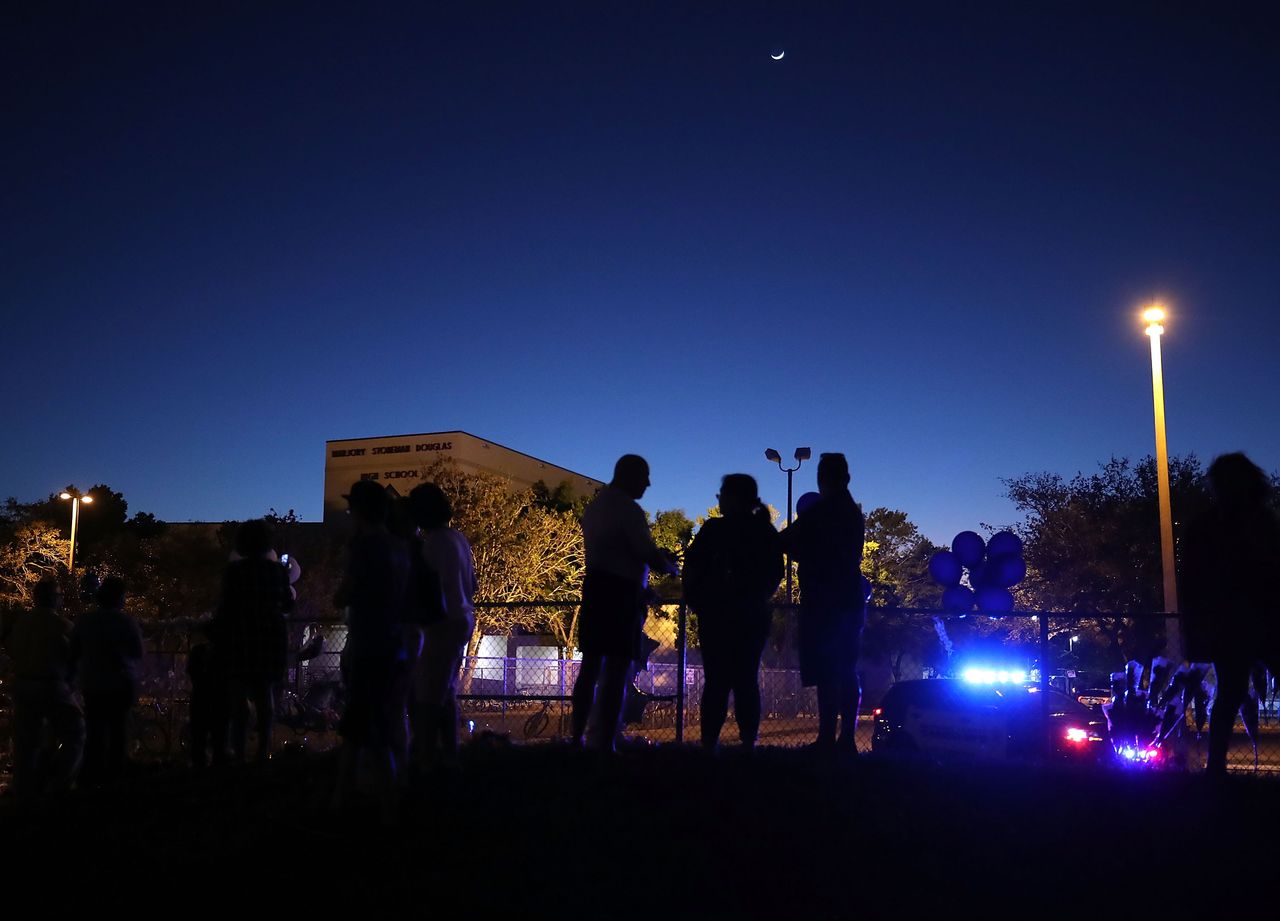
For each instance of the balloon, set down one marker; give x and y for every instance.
(1005, 543)
(866, 589)
(1007, 570)
(957, 598)
(968, 548)
(295, 569)
(995, 599)
(945, 568)
(980, 576)
(805, 502)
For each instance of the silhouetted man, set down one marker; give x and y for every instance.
(619, 551)
(39, 644)
(373, 660)
(106, 646)
(1230, 604)
(826, 543)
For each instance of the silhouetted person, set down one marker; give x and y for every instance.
(1231, 607)
(619, 551)
(731, 571)
(444, 565)
(39, 645)
(106, 646)
(208, 709)
(373, 660)
(251, 633)
(826, 543)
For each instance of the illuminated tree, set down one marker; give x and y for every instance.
(32, 551)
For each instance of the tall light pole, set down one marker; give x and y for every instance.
(1154, 316)
(76, 499)
(801, 455)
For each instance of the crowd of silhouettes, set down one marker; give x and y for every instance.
(408, 590)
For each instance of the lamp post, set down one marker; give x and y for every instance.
(801, 455)
(1154, 316)
(76, 499)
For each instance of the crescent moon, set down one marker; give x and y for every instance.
(779, 56)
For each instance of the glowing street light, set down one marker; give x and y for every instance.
(1154, 316)
(801, 455)
(76, 499)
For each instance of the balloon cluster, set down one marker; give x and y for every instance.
(994, 567)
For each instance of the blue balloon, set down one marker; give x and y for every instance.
(1004, 543)
(945, 568)
(980, 576)
(1007, 570)
(968, 548)
(995, 599)
(806, 502)
(958, 598)
(866, 589)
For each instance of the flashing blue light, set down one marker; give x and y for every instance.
(993, 676)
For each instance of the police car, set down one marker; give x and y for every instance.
(986, 714)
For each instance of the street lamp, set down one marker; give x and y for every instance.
(76, 499)
(1154, 317)
(801, 455)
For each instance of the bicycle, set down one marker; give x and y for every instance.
(538, 722)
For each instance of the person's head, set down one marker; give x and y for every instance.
(1238, 481)
(833, 473)
(430, 507)
(111, 594)
(253, 539)
(739, 495)
(368, 502)
(47, 593)
(631, 475)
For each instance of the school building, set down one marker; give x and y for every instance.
(401, 461)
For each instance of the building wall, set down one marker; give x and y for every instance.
(401, 461)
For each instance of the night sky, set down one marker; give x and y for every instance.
(922, 238)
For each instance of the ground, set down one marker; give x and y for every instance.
(658, 832)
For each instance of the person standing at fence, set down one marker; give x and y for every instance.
(373, 661)
(39, 645)
(1231, 609)
(731, 571)
(619, 551)
(444, 584)
(826, 543)
(251, 633)
(106, 647)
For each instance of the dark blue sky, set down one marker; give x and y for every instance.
(920, 238)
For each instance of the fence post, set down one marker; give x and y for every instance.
(681, 641)
(1044, 679)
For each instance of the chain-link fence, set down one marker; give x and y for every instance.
(519, 673)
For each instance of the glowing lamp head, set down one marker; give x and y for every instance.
(65, 495)
(86, 499)
(1154, 317)
(1077, 735)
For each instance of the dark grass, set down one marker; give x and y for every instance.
(661, 832)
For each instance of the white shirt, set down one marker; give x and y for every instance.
(447, 552)
(616, 536)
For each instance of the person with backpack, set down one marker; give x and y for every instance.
(443, 584)
(731, 571)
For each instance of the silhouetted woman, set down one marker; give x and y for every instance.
(731, 571)
(1230, 603)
